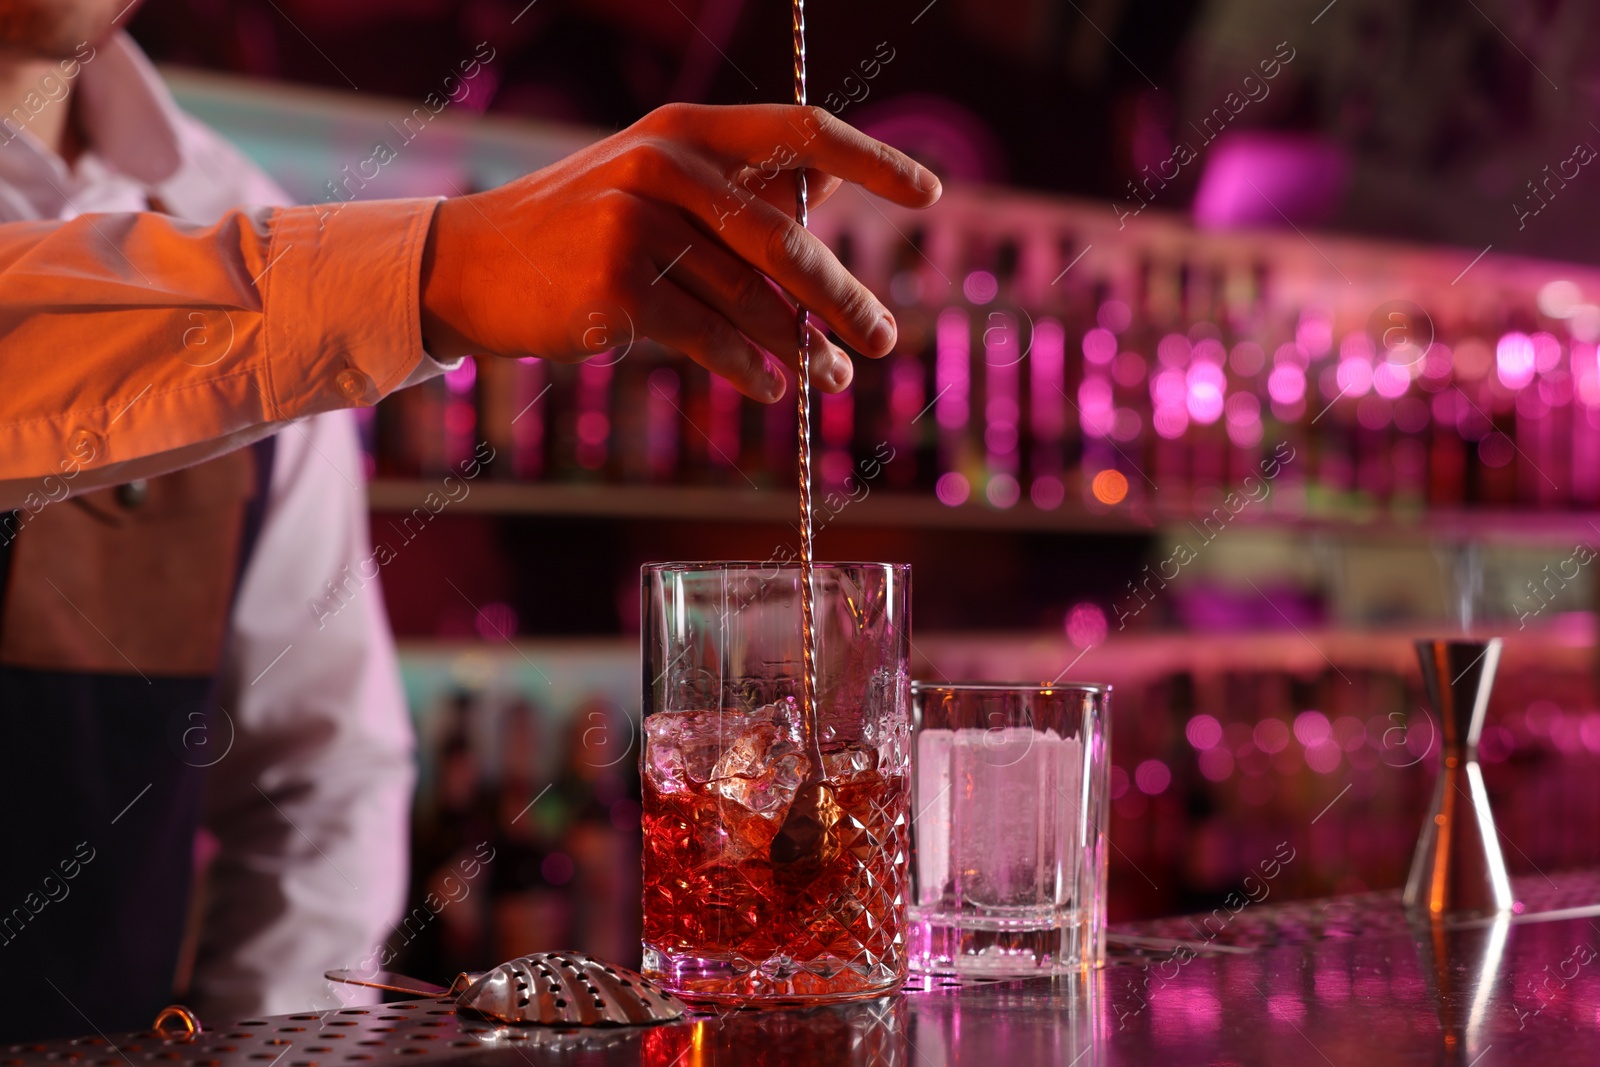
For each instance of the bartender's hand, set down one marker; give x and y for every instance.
(673, 226)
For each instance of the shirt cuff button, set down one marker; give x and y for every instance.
(85, 445)
(353, 385)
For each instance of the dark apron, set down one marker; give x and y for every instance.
(114, 610)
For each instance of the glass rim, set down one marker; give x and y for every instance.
(693, 566)
(1039, 688)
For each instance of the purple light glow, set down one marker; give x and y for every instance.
(1128, 368)
(1243, 408)
(1315, 333)
(1114, 315)
(1203, 731)
(905, 389)
(1003, 491)
(1271, 735)
(1247, 359)
(1287, 353)
(1584, 369)
(1171, 422)
(1556, 390)
(1169, 388)
(1349, 733)
(952, 369)
(1216, 764)
(593, 427)
(1354, 376)
(460, 380)
(1099, 346)
(1546, 353)
(1048, 379)
(1094, 404)
(1086, 624)
(1391, 380)
(980, 287)
(1589, 731)
(1357, 346)
(1312, 728)
(952, 489)
(1437, 363)
(1287, 383)
(460, 418)
(1001, 410)
(1047, 492)
(1245, 434)
(1174, 350)
(1531, 403)
(1001, 438)
(1152, 777)
(1206, 382)
(1514, 360)
(1209, 350)
(1496, 449)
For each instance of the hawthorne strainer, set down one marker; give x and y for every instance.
(546, 989)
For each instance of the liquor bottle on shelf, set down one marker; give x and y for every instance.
(959, 464)
(664, 422)
(1158, 376)
(1102, 484)
(1152, 425)
(1585, 421)
(1206, 379)
(834, 414)
(512, 410)
(1053, 445)
(410, 432)
(724, 444)
(905, 420)
(1005, 340)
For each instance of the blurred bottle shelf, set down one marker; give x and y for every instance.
(1567, 643)
(916, 511)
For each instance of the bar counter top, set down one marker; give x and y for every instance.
(1348, 981)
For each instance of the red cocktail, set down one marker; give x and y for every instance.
(724, 921)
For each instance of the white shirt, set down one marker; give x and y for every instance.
(311, 802)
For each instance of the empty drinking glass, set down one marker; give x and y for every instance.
(1009, 802)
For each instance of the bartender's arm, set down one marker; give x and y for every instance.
(168, 343)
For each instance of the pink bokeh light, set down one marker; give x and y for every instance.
(952, 489)
(1099, 346)
(1287, 383)
(1514, 360)
(1086, 624)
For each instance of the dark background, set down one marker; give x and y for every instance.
(1443, 112)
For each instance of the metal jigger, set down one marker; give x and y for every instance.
(1458, 866)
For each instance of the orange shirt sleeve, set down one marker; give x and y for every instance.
(131, 344)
